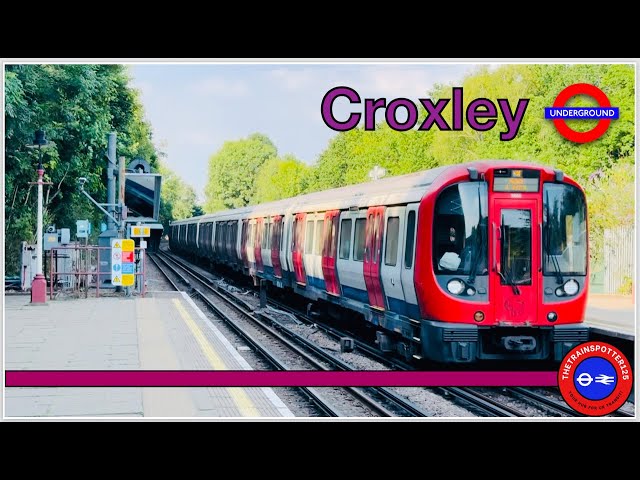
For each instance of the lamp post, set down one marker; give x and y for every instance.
(39, 283)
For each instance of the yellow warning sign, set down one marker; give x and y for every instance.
(140, 231)
(128, 280)
(116, 281)
(128, 245)
(116, 245)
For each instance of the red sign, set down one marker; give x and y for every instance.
(127, 257)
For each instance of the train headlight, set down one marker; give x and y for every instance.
(455, 286)
(471, 291)
(552, 316)
(571, 287)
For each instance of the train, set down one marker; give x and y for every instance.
(485, 260)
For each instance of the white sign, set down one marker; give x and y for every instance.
(116, 261)
(82, 228)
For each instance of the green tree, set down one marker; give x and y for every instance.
(280, 178)
(77, 106)
(351, 155)
(233, 169)
(611, 204)
(177, 199)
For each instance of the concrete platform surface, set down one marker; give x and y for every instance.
(614, 313)
(165, 331)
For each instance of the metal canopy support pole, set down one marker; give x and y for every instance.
(111, 184)
(121, 190)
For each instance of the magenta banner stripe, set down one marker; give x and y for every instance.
(250, 378)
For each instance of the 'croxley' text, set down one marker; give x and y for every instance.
(481, 113)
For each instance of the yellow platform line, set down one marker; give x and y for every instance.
(242, 401)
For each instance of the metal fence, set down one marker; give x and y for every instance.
(618, 258)
(77, 269)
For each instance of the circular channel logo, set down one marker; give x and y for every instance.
(582, 89)
(595, 379)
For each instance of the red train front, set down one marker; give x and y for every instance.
(501, 263)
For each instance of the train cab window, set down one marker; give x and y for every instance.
(408, 248)
(391, 249)
(345, 238)
(564, 230)
(460, 225)
(308, 246)
(515, 247)
(319, 239)
(359, 240)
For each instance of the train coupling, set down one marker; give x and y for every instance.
(519, 343)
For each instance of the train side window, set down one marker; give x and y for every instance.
(319, 238)
(408, 249)
(276, 234)
(359, 240)
(391, 248)
(308, 246)
(345, 238)
(294, 233)
(297, 231)
(265, 234)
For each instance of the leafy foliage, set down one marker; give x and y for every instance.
(604, 167)
(610, 202)
(233, 172)
(77, 106)
(177, 199)
(280, 178)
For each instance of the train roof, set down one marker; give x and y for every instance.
(392, 190)
(396, 190)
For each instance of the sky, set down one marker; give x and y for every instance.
(194, 108)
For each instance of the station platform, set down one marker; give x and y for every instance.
(163, 331)
(612, 315)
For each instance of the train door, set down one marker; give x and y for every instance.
(251, 236)
(265, 252)
(237, 243)
(215, 226)
(231, 229)
(276, 238)
(257, 245)
(330, 252)
(286, 252)
(313, 251)
(373, 256)
(243, 243)
(351, 255)
(391, 264)
(515, 251)
(408, 260)
(297, 248)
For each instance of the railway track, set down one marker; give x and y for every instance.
(477, 401)
(258, 331)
